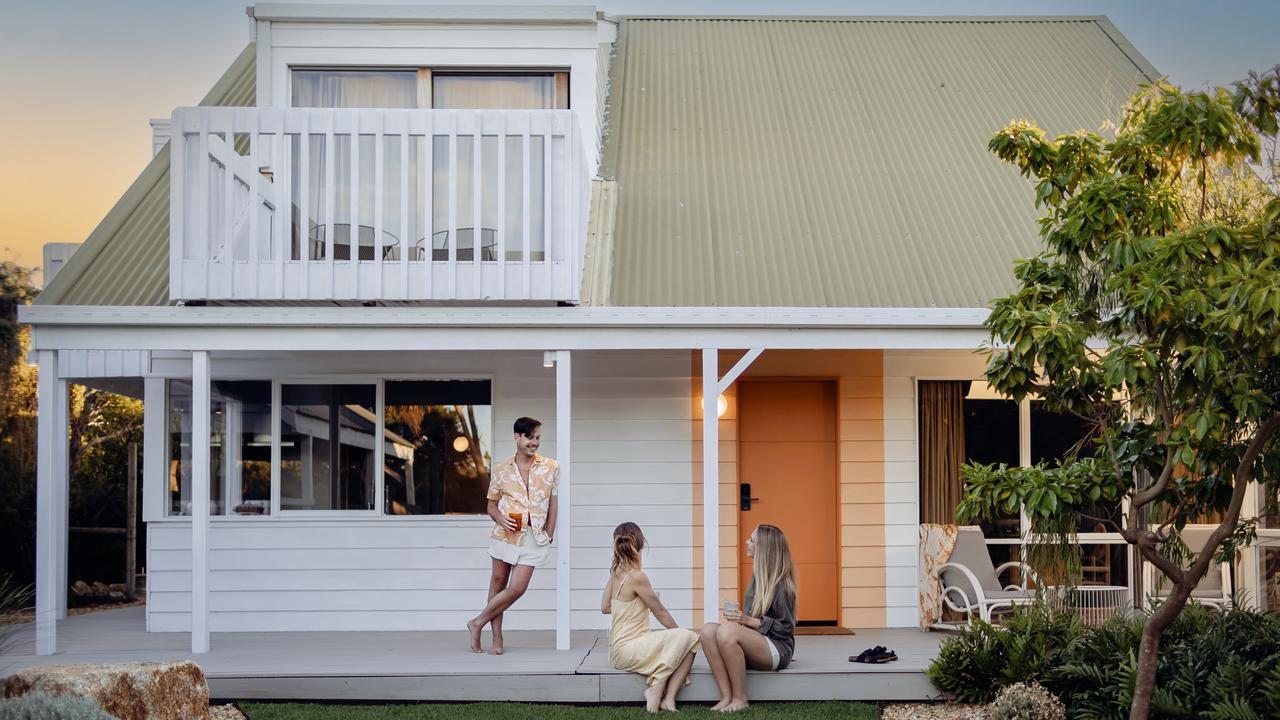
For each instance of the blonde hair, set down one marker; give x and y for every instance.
(772, 568)
(628, 541)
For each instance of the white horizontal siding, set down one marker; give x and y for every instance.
(902, 468)
(632, 462)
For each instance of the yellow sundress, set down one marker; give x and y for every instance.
(635, 648)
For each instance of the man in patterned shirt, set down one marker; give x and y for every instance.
(522, 503)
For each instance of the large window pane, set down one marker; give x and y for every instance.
(327, 457)
(1058, 436)
(179, 454)
(241, 426)
(436, 449)
(497, 92)
(991, 437)
(1269, 571)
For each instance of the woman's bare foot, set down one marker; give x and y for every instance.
(496, 647)
(653, 697)
(724, 702)
(668, 705)
(474, 628)
(735, 706)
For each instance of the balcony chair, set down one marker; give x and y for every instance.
(970, 582)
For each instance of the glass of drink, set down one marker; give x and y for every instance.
(516, 518)
(730, 607)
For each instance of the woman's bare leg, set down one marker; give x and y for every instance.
(676, 682)
(653, 695)
(718, 671)
(741, 648)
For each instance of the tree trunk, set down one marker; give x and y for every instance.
(1145, 680)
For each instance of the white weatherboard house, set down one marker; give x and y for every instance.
(390, 230)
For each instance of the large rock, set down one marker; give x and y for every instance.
(129, 691)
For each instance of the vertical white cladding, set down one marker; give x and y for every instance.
(631, 461)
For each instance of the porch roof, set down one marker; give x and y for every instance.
(839, 162)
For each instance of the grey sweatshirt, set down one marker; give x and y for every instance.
(778, 623)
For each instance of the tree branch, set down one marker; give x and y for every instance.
(1241, 480)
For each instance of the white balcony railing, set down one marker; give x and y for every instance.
(321, 204)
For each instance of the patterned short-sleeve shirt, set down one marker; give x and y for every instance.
(508, 488)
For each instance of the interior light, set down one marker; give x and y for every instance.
(461, 443)
(722, 406)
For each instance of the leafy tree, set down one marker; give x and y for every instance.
(1154, 314)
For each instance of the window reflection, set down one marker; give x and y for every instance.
(436, 450)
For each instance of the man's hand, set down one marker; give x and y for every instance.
(506, 522)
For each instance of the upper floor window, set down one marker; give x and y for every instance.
(425, 88)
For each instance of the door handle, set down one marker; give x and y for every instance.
(744, 496)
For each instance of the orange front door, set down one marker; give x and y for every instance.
(787, 457)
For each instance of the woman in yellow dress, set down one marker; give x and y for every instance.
(664, 656)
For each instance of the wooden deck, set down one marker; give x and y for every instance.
(438, 665)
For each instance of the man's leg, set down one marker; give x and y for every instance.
(497, 583)
(520, 576)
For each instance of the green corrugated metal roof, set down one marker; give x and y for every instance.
(125, 260)
(839, 162)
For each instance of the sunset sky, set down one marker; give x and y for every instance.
(80, 78)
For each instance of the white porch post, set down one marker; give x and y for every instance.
(710, 487)
(712, 386)
(51, 475)
(200, 410)
(62, 485)
(564, 527)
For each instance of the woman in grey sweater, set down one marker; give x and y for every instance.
(762, 638)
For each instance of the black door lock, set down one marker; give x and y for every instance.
(744, 496)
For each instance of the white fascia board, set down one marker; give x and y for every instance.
(354, 12)
(286, 329)
(499, 317)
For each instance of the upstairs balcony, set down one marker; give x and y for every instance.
(301, 204)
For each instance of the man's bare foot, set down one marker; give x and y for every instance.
(653, 697)
(474, 628)
(496, 647)
(735, 706)
(721, 705)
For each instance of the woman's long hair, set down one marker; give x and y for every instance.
(772, 567)
(628, 541)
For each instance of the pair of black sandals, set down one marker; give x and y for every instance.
(874, 656)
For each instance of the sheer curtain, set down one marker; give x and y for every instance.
(942, 449)
(351, 89)
(505, 92)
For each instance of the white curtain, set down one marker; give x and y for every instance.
(353, 89)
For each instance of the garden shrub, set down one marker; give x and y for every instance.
(38, 706)
(1026, 701)
(1216, 665)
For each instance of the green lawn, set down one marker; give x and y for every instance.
(523, 711)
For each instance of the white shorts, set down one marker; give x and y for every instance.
(773, 653)
(528, 552)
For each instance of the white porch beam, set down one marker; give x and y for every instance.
(51, 473)
(710, 487)
(200, 410)
(738, 368)
(564, 503)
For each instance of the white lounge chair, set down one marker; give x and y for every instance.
(971, 583)
(1214, 589)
